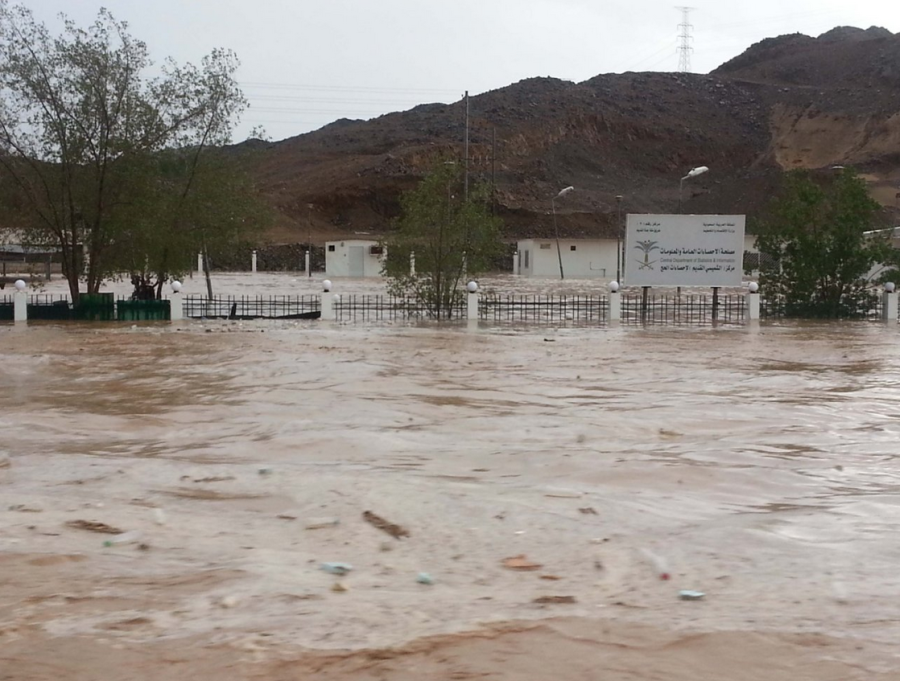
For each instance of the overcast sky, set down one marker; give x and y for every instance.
(305, 64)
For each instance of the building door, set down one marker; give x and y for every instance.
(357, 261)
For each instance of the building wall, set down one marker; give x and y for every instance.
(591, 258)
(345, 259)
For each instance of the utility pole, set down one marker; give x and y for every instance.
(685, 37)
(494, 167)
(466, 181)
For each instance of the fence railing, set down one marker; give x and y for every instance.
(252, 307)
(366, 308)
(684, 308)
(543, 308)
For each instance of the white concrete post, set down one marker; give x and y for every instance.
(753, 302)
(889, 303)
(327, 305)
(306, 260)
(472, 299)
(176, 304)
(253, 262)
(615, 302)
(199, 262)
(412, 264)
(20, 302)
(515, 263)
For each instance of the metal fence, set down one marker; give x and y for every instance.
(252, 307)
(365, 308)
(547, 308)
(683, 309)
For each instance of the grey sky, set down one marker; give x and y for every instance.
(305, 64)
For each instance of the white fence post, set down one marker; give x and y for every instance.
(412, 264)
(253, 261)
(176, 304)
(20, 302)
(515, 258)
(327, 306)
(306, 261)
(472, 298)
(200, 262)
(615, 302)
(752, 299)
(889, 303)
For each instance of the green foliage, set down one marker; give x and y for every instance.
(81, 128)
(451, 237)
(819, 257)
(192, 201)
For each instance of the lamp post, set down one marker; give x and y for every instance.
(555, 229)
(699, 170)
(619, 254)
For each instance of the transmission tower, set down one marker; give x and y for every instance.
(685, 37)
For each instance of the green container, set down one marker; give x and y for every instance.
(96, 307)
(143, 311)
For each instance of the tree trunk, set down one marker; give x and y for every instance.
(209, 290)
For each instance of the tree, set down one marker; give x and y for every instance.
(819, 255)
(192, 203)
(81, 127)
(450, 235)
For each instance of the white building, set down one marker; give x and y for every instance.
(581, 258)
(353, 258)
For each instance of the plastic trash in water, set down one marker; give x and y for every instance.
(425, 578)
(266, 470)
(336, 568)
(131, 537)
(688, 595)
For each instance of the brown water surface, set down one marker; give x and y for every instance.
(761, 465)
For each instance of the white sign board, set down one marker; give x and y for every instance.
(684, 250)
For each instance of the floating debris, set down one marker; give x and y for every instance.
(555, 600)
(92, 526)
(396, 531)
(688, 595)
(521, 563)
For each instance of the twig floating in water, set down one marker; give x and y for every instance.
(396, 531)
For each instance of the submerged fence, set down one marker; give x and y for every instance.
(507, 308)
(252, 307)
(631, 307)
(367, 308)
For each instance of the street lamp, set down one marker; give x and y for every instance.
(619, 254)
(699, 170)
(555, 229)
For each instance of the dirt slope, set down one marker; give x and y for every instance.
(787, 102)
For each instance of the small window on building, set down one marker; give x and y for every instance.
(545, 247)
(331, 247)
(376, 250)
(526, 260)
(573, 248)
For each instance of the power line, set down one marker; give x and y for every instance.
(685, 36)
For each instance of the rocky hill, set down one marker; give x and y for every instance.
(787, 102)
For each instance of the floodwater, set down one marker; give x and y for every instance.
(757, 465)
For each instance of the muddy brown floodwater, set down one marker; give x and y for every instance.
(758, 466)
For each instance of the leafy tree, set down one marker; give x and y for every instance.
(193, 202)
(451, 235)
(819, 255)
(81, 125)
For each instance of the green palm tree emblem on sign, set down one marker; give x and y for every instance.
(647, 247)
